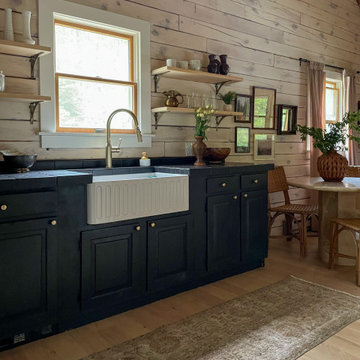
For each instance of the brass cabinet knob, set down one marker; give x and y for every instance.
(138, 228)
(3, 207)
(152, 225)
(223, 184)
(245, 195)
(235, 197)
(53, 222)
(256, 181)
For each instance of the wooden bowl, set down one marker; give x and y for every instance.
(216, 155)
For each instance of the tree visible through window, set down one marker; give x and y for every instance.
(94, 76)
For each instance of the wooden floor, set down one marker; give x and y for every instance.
(283, 261)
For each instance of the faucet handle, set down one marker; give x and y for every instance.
(117, 149)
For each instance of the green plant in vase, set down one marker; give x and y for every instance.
(331, 165)
(202, 119)
(228, 98)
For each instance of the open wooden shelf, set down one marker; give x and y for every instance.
(21, 49)
(194, 75)
(5, 96)
(219, 114)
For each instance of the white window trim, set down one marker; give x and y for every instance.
(61, 9)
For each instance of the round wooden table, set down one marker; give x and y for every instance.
(335, 200)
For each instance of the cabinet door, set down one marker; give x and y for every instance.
(223, 232)
(113, 265)
(254, 221)
(28, 275)
(170, 254)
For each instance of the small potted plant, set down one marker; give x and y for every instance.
(202, 117)
(330, 164)
(228, 98)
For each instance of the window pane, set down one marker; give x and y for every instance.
(331, 105)
(87, 104)
(87, 53)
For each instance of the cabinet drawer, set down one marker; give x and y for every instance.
(19, 205)
(255, 181)
(222, 184)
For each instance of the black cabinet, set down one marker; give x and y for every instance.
(28, 276)
(254, 240)
(113, 264)
(223, 232)
(170, 253)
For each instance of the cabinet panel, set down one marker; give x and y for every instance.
(224, 184)
(254, 220)
(223, 232)
(170, 254)
(28, 275)
(113, 265)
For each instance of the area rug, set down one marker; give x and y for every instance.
(279, 322)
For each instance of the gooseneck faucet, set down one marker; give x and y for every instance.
(109, 150)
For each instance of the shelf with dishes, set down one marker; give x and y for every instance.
(193, 75)
(219, 114)
(33, 100)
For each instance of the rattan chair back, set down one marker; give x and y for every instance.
(352, 171)
(277, 182)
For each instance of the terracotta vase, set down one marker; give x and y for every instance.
(199, 149)
(224, 66)
(332, 166)
(214, 64)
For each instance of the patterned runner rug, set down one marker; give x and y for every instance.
(279, 322)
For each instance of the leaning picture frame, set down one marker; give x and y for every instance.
(243, 105)
(264, 147)
(242, 140)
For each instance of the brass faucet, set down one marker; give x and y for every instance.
(109, 150)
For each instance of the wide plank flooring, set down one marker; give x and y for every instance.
(283, 261)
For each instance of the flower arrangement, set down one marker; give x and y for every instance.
(202, 117)
(334, 137)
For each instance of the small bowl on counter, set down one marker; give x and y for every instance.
(216, 155)
(18, 162)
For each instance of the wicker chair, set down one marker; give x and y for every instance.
(352, 171)
(277, 182)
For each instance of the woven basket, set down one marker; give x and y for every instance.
(332, 166)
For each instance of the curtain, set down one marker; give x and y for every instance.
(349, 104)
(315, 109)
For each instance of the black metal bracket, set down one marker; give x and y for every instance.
(219, 119)
(156, 82)
(33, 59)
(32, 107)
(219, 85)
(157, 118)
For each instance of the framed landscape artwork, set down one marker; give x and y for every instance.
(243, 105)
(242, 140)
(264, 147)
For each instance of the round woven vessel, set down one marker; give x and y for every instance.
(332, 166)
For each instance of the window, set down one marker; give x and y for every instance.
(94, 76)
(100, 62)
(332, 101)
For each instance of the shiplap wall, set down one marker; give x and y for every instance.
(263, 39)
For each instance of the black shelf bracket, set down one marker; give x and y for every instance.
(157, 118)
(219, 119)
(219, 85)
(33, 59)
(32, 107)
(156, 82)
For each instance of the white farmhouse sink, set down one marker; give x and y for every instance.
(129, 196)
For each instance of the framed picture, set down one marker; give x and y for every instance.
(243, 105)
(263, 108)
(242, 140)
(264, 147)
(286, 119)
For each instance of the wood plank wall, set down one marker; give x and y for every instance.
(263, 39)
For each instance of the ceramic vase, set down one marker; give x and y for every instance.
(332, 166)
(199, 149)
(26, 28)
(224, 66)
(214, 64)
(8, 30)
